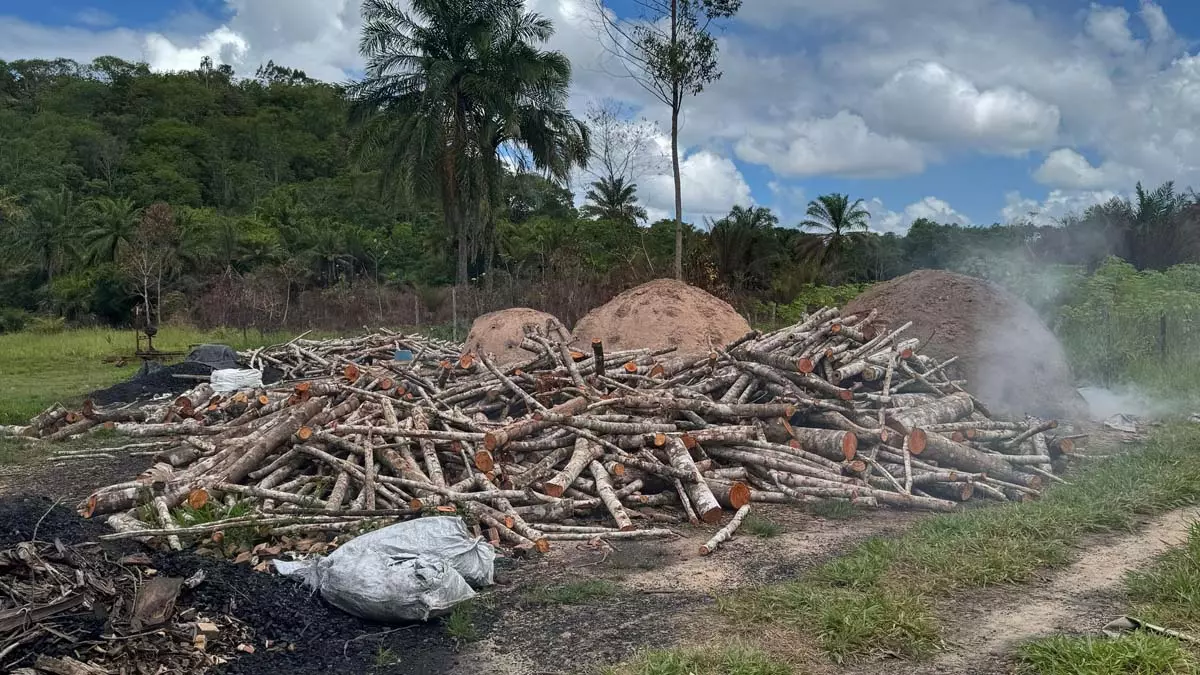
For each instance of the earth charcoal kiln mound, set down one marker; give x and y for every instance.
(1012, 362)
(660, 314)
(499, 334)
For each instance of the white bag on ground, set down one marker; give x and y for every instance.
(404, 572)
(234, 379)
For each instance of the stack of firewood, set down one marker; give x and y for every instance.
(573, 443)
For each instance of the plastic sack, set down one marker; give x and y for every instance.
(234, 379)
(404, 572)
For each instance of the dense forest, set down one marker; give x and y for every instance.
(274, 199)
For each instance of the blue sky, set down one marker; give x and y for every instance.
(972, 111)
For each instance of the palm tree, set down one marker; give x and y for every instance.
(837, 224)
(114, 224)
(611, 198)
(740, 245)
(450, 84)
(49, 229)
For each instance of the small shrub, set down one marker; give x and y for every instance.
(761, 527)
(46, 325)
(460, 624)
(573, 593)
(12, 319)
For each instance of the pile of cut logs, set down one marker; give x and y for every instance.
(574, 443)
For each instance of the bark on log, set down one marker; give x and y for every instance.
(707, 507)
(725, 533)
(948, 409)
(585, 452)
(947, 453)
(605, 488)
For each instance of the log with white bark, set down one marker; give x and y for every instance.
(725, 533)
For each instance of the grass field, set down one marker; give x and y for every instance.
(38, 369)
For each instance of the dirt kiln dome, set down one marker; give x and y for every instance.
(662, 313)
(1011, 361)
(499, 334)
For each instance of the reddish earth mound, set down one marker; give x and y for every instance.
(663, 313)
(499, 334)
(1011, 361)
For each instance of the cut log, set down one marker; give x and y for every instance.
(608, 495)
(949, 409)
(585, 453)
(725, 533)
(947, 453)
(707, 507)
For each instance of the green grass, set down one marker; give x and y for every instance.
(879, 597)
(761, 527)
(384, 657)
(732, 660)
(833, 509)
(460, 623)
(1138, 654)
(43, 368)
(1167, 594)
(573, 593)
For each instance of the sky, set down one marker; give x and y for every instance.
(965, 111)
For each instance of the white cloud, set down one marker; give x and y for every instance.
(710, 185)
(1066, 168)
(1051, 211)
(1156, 22)
(884, 220)
(855, 88)
(221, 45)
(841, 145)
(1110, 27)
(928, 101)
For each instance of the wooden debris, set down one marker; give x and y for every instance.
(352, 439)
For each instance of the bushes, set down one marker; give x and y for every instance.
(1124, 325)
(12, 319)
(810, 297)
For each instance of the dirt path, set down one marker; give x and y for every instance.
(1082, 597)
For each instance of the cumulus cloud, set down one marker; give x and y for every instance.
(1156, 22)
(222, 45)
(1056, 206)
(856, 88)
(1110, 27)
(711, 185)
(884, 220)
(1066, 168)
(841, 145)
(928, 101)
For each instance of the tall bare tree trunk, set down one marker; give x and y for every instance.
(676, 103)
(678, 193)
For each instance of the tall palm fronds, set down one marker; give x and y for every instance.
(742, 246)
(613, 199)
(450, 85)
(837, 224)
(114, 224)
